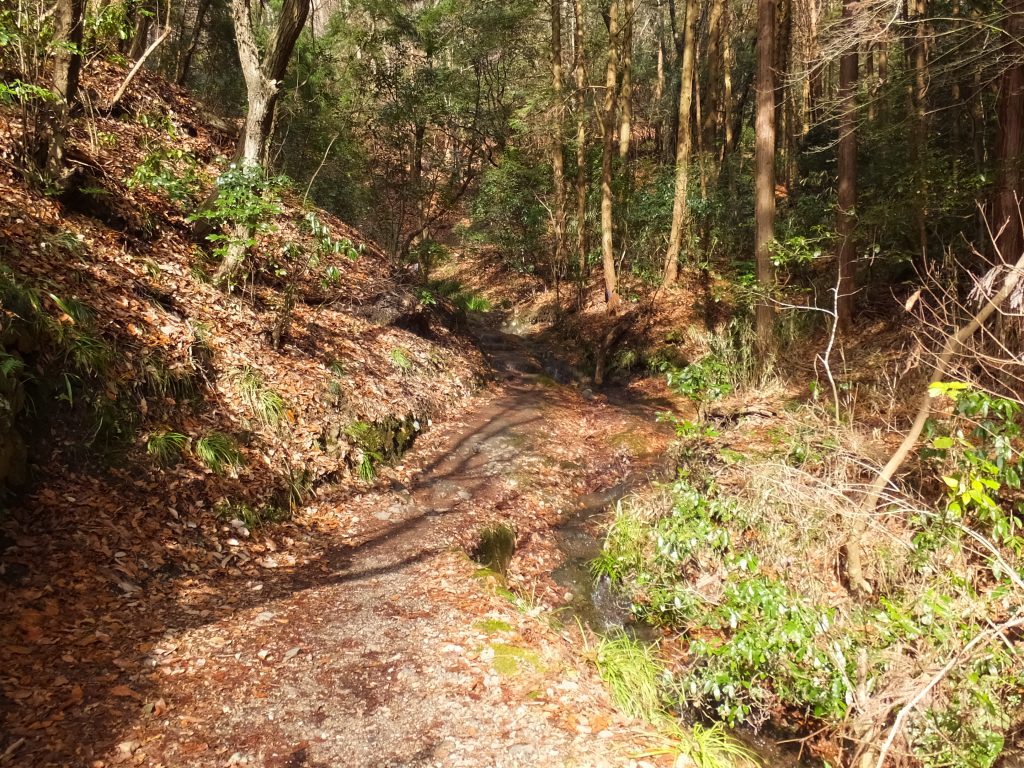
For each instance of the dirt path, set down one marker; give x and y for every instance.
(360, 635)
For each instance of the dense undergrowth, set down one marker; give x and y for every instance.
(739, 561)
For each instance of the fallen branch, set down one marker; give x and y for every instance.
(907, 708)
(952, 345)
(119, 94)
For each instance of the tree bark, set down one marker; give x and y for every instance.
(580, 76)
(916, 52)
(727, 106)
(680, 211)
(144, 13)
(712, 122)
(847, 182)
(626, 98)
(1010, 141)
(263, 76)
(184, 64)
(67, 68)
(611, 78)
(558, 139)
(764, 171)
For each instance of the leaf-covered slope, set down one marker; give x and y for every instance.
(120, 342)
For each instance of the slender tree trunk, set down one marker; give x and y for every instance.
(916, 54)
(67, 67)
(784, 36)
(144, 14)
(712, 124)
(680, 212)
(659, 86)
(727, 107)
(1009, 192)
(263, 76)
(558, 139)
(580, 77)
(184, 65)
(814, 85)
(764, 171)
(626, 98)
(611, 78)
(847, 191)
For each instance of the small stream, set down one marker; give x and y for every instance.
(580, 538)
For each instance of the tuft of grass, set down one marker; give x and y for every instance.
(265, 403)
(298, 485)
(219, 452)
(368, 439)
(251, 517)
(624, 547)
(706, 747)
(166, 446)
(631, 672)
(400, 359)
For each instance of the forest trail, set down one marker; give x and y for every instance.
(384, 644)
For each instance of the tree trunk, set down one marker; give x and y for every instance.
(611, 77)
(727, 107)
(712, 102)
(764, 171)
(814, 76)
(558, 140)
(659, 86)
(847, 183)
(67, 67)
(140, 35)
(680, 212)
(626, 109)
(1010, 141)
(184, 65)
(263, 76)
(580, 76)
(916, 53)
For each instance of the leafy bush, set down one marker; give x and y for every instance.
(246, 202)
(509, 210)
(171, 171)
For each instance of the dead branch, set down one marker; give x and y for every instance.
(119, 94)
(952, 345)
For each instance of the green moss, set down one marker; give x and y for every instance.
(494, 625)
(510, 660)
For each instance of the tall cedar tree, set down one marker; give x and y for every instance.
(680, 217)
(607, 223)
(764, 170)
(557, 139)
(847, 182)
